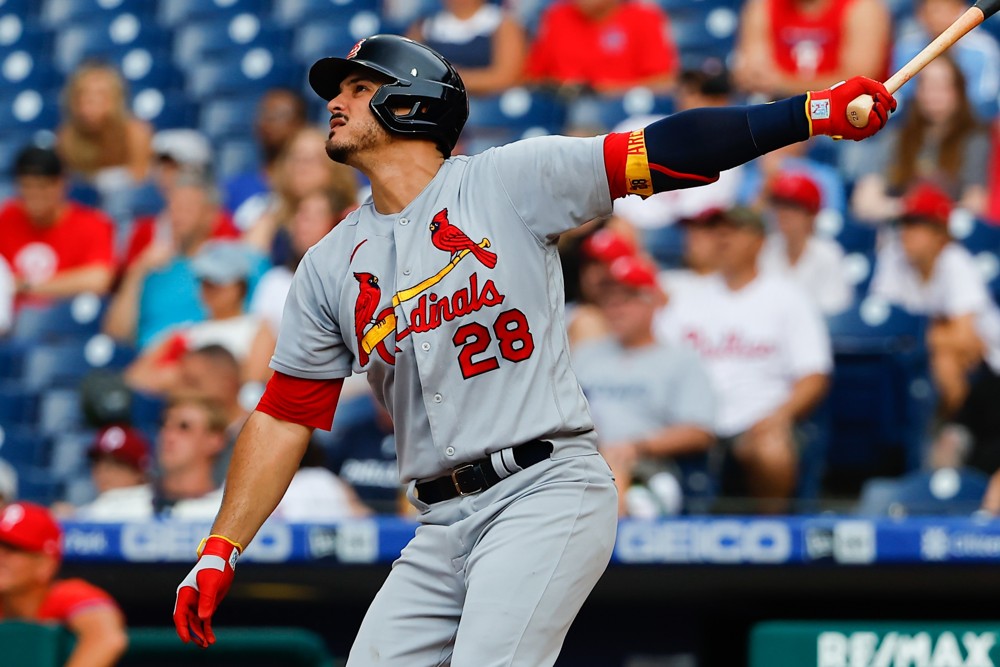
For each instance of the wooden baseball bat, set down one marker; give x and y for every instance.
(861, 106)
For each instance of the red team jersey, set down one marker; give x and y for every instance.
(68, 597)
(81, 237)
(630, 45)
(806, 44)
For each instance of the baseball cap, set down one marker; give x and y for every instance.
(797, 189)
(123, 444)
(926, 202)
(606, 246)
(222, 263)
(30, 527)
(744, 218)
(707, 217)
(38, 161)
(183, 146)
(634, 271)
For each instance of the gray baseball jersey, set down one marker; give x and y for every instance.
(454, 306)
(633, 393)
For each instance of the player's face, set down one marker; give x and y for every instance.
(353, 127)
(185, 439)
(21, 570)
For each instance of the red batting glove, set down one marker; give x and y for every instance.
(827, 109)
(203, 588)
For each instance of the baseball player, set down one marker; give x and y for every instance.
(445, 288)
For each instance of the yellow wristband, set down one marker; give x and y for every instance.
(201, 546)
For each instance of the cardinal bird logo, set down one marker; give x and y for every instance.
(364, 309)
(446, 236)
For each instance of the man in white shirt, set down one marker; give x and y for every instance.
(191, 438)
(767, 350)
(927, 273)
(701, 252)
(119, 468)
(815, 263)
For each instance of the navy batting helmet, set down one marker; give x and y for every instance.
(421, 81)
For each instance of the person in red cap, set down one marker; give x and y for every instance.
(927, 273)
(30, 553)
(119, 468)
(815, 263)
(651, 402)
(584, 320)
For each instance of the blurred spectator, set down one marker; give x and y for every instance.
(939, 140)
(8, 288)
(815, 263)
(191, 438)
(786, 47)
(596, 251)
(56, 248)
(767, 351)
(977, 53)
(709, 86)
(119, 468)
(927, 273)
(8, 483)
(223, 270)
(158, 290)
(30, 554)
(99, 138)
(651, 403)
(315, 494)
(759, 174)
(607, 46)
(701, 252)
(180, 150)
(281, 113)
(302, 169)
(485, 44)
(317, 213)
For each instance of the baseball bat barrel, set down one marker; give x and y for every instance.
(861, 106)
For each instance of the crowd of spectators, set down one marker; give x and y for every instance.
(700, 319)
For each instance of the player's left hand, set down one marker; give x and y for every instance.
(827, 109)
(203, 588)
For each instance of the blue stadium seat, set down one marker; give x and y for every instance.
(881, 396)
(59, 411)
(164, 108)
(65, 364)
(38, 485)
(173, 13)
(977, 236)
(254, 71)
(26, 111)
(666, 245)
(146, 68)
(11, 357)
(9, 148)
(228, 117)
(517, 109)
(237, 156)
(302, 12)
(23, 68)
(147, 412)
(63, 13)
(78, 319)
(23, 8)
(19, 32)
(855, 237)
(605, 113)
(706, 32)
(920, 493)
(332, 37)
(20, 446)
(216, 39)
(108, 40)
(68, 456)
(18, 405)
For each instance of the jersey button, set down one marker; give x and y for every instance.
(438, 398)
(404, 221)
(450, 451)
(406, 272)
(425, 346)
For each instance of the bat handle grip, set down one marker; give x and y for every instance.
(858, 110)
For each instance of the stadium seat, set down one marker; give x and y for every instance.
(11, 356)
(23, 69)
(9, 148)
(146, 68)
(213, 40)
(253, 72)
(17, 32)
(708, 32)
(23, 446)
(164, 109)
(78, 318)
(106, 40)
(948, 491)
(855, 237)
(147, 412)
(65, 364)
(605, 113)
(37, 484)
(332, 37)
(59, 411)
(881, 397)
(228, 118)
(302, 12)
(237, 156)
(666, 245)
(18, 406)
(26, 111)
(173, 13)
(63, 13)
(68, 456)
(517, 113)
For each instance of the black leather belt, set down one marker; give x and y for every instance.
(479, 475)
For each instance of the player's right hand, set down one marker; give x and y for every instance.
(827, 109)
(203, 588)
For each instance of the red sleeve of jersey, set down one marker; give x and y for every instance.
(615, 162)
(307, 402)
(70, 597)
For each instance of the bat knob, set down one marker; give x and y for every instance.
(858, 110)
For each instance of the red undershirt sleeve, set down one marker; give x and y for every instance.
(302, 401)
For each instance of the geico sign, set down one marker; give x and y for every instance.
(867, 649)
(177, 541)
(704, 542)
